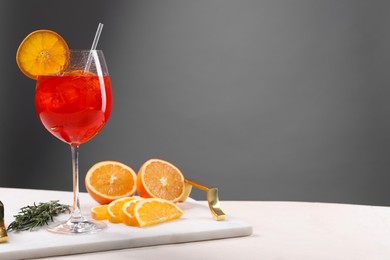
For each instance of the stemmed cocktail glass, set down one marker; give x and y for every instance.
(74, 105)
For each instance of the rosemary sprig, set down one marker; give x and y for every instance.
(30, 217)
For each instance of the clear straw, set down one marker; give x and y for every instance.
(97, 36)
(94, 44)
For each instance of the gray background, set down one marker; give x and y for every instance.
(267, 100)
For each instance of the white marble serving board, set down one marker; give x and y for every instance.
(196, 224)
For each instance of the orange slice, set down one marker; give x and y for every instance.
(127, 212)
(80, 73)
(99, 212)
(42, 52)
(153, 211)
(160, 179)
(115, 207)
(107, 181)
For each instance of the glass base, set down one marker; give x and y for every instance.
(77, 226)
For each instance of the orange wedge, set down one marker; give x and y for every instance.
(42, 52)
(107, 181)
(99, 212)
(160, 179)
(115, 207)
(153, 211)
(127, 213)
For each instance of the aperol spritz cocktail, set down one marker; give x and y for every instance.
(73, 100)
(74, 105)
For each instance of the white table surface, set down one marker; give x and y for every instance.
(282, 230)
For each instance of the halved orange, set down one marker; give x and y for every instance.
(153, 211)
(160, 179)
(107, 181)
(127, 212)
(42, 52)
(115, 207)
(99, 212)
(187, 192)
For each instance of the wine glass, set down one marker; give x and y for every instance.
(74, 106)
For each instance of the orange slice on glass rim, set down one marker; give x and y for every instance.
(42, 52)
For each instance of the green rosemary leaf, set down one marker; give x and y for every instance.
(31, 217)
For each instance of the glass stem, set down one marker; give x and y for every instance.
(76, 213)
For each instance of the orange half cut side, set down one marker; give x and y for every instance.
(107, 181)
(160, 179)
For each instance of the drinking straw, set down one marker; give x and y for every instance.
(97, 36)
(93, 47)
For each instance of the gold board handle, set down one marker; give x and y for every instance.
(3, 231)
(212, 198)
